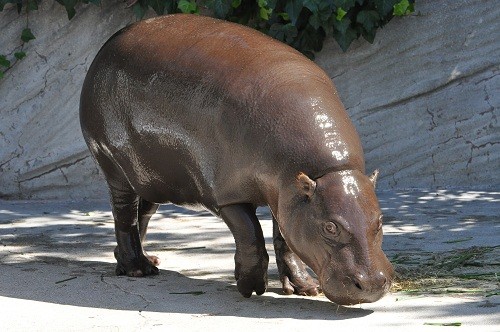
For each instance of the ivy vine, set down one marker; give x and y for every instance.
(303, 24)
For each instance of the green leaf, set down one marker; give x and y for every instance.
(70, 7)
(315, 21)
(345, 39)
(4, 62)
(309, 40)
(284, 16)
(187, 6)
(385, 7)
(369, 36)
(20, 55)
(283, 32)
(235, 3)
(264, 13)
(71, 12)
(221, 7)
(272, 4)
(342, 26)
(264, 10)
(404, 7)
(340, 14)
(293, 9)
(368, 19)
(312, 5)
(27, 35)
(1, 72)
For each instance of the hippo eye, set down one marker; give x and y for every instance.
(331, 228)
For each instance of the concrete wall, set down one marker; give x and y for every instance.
(425, 98)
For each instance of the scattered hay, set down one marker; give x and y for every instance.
(473, 270)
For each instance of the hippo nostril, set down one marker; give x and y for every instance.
(357, 284)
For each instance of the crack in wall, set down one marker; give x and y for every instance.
(433, 123)
(41, 56)
(64, 175)
(491, 108)
(433, 90)
(10, 159)
(39, 93)
(477, 147)
(84, 64)
(27, 177)
(495, 70)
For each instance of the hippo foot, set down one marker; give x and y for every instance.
(142, 266)
(300, 286)
(255, 281)
(252, 277)
(296, 279)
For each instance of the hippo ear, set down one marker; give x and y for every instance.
(373, 177)
(305, 184)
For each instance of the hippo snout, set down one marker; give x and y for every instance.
(363, 284)
(366, 289)
(358, 287)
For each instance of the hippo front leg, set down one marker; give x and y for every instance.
(251, 258)
(293, 274)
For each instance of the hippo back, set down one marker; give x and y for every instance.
(194, 110)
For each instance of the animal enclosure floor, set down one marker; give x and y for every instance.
(57, 271)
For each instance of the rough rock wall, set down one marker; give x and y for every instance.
(425, 98)
(42, 153)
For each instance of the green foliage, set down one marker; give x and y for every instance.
(4, 62)
(27, 35)
(403, 7)
(303, 24)
(188, 6)
(19, 55)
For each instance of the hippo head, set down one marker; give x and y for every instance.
(334, 224)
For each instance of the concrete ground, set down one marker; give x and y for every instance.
(57, 271)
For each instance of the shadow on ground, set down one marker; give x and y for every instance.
(93, 284)
(61, 252)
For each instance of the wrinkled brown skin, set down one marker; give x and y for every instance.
(209, 114)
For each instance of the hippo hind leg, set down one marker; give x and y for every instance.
(131, 258)
(293, 274)
(146, 211)
(251, 258)
(125, 203)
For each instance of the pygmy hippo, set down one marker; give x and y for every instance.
(209, 114)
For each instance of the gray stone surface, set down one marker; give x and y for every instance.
(43, 154)
(57, 271)
(424, 97)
